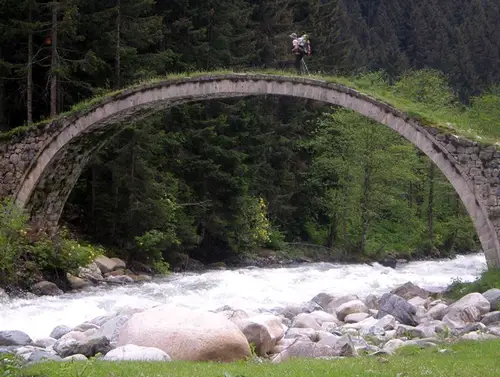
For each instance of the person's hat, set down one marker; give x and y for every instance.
(293, 35)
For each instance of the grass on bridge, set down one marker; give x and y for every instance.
(449, 119)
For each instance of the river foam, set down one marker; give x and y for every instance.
(248, 288)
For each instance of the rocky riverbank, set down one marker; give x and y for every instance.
(325, 327)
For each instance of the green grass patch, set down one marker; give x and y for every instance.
(489, 279)
(465, 359)
(448, 117)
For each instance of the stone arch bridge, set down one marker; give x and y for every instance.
(40, 165)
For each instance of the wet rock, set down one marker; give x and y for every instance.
(77, 283)
(398, 307)
(91, 272)
(59, 331)
(409, 290)
(105, 264)
(14, 338)
(120, 279)
(46, 288)
(137, 353)
(119, 263)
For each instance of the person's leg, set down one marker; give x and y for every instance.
(298, 59)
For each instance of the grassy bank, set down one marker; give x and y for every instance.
(488, 280)
(465, 359)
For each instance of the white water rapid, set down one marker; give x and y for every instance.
(243, 289)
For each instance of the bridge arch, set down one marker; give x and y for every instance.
(43, 185)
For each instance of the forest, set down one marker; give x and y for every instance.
(224, 178)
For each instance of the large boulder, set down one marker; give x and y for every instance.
(459, 318)
(475, 299)
(14, 338)
(263, 330)
(90, 272)
(46, 288)
(409, 290)
(186, 334)
(399, 308)
(105, 264)
(88, 347)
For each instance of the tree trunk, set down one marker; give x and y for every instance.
(364, 208)
(54, 62)
(3, 118)
(117, 52)
(430, 205)
(29, 79)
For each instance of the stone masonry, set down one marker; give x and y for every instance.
(40, 165)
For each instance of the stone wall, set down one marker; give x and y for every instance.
(39, 167)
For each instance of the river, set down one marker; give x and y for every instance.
(247, 288)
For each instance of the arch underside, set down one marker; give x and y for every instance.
(50, 179)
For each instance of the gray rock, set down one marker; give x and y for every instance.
(478, 336)
(59, 331)
(14, 338)
(305, 321)
(91, 272)
(301, 349)
(350, 307)
(120, 279)
(111, 328)
(459, 318)
(46, 288)
(493, 297)
(409, 290)
(387, 322)
(336, 302)
(345, 346)
(3, 295)
(322, 299)
(409, 332)
(44, 342)
(133, 352)
(372, 302)
(76, 357)
(77, 283)
(38, 356)
(476, 300)
(399, 308)
(85, 326)
(392, 345)
(356, 317)
(88, 347)
(438, 311)
(296, 333)
(490, 318)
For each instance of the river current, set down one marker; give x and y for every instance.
(246, 288)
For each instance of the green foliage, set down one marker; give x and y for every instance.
(25, 256)
(489, 279)
(10, 365)
(425, 86)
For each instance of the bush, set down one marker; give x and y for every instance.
(489, 279)
(26, 257)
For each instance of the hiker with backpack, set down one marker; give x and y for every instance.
(300, 47)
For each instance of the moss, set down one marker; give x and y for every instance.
(448, 120)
